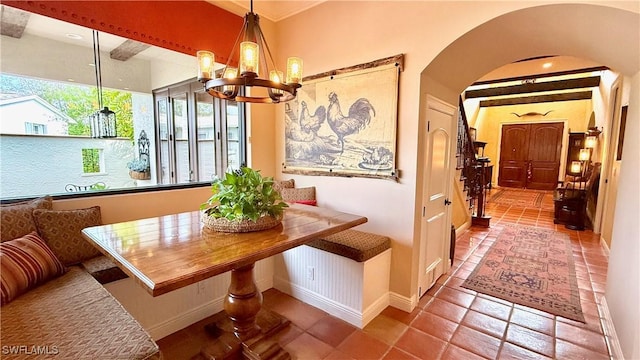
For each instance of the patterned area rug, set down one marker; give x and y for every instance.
(520, 197)
(532, 267)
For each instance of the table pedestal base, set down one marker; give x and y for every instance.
(227, 346)
(243, 329)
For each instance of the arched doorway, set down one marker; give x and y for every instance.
(603, 34)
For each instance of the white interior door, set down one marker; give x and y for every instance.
(436, 213)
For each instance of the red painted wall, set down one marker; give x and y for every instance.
(184, 26)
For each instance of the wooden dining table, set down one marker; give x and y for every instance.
(169, 252)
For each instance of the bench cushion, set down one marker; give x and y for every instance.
(103, 269)
(61, 229)
(353, 244)
(76, 317)
(17, 218)
(306, 195)
(25, 263)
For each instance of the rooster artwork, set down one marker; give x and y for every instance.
(344, 123)
(359, 117)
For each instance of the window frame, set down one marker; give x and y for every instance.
(189, 89)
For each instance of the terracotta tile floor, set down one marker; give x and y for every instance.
(450, 322)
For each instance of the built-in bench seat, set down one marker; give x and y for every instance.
(73, 317)
(103, 269)
(345, 274)
(52, 307)
(353, 244)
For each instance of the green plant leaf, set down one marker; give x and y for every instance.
(243, 195)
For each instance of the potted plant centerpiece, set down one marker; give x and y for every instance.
(243, 201)
(139, 169)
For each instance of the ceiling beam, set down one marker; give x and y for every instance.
(13, 21)
(580, 95)
(543, 75)
(568, 84)
(128, 49)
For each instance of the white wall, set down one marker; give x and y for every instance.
(40, 165)
(623, 277)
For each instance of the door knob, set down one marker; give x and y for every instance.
(447, 202)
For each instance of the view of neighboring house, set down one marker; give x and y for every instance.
(31, 115)
(35, 139)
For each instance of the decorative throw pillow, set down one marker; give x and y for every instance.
(16, 220)
(25, 263)
(61, 229)
(299, 195)
(283, 184)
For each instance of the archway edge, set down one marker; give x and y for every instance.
(604, 34)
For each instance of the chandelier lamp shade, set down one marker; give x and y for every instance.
(103, 121)
(591, 141)
(584, 154)
(256, 70)
(576, 167)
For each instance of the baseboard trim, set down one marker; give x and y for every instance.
(463, 228)
(609, 330)
(179, 322)
(185, 319)
(350, 315)
(402, 302)
(375, 309)
(604, 245)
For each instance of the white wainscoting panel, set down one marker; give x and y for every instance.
(355, 292)
(165, 314)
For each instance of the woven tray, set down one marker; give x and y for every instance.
(224, 225)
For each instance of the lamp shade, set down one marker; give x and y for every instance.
(249, 57)
(294, 70)
(206, 60)
(584, 154)
(229, 73)
(590, 142)
(276, 76)
(576, 167)
(103, 124)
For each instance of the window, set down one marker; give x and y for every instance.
(184, 134)
(91, 161)
(35, 129)
(195, 130)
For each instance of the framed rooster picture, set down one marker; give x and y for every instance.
(343, 122)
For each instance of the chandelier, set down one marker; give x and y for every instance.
(103, 121)
(231, 83)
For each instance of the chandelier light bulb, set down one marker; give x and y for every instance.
(229, 73)
(584, 154)
(294, 70)
(576, 167)
(590, 142)
(276, 77)
(249, 57)
(206, 60)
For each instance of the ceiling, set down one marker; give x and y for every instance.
(57, 30)
(268, 9)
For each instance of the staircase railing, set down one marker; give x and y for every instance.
(472, 169)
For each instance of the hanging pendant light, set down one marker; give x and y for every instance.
(103, 121)
(253, 62)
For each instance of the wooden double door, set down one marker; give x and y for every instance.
(530, 155)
